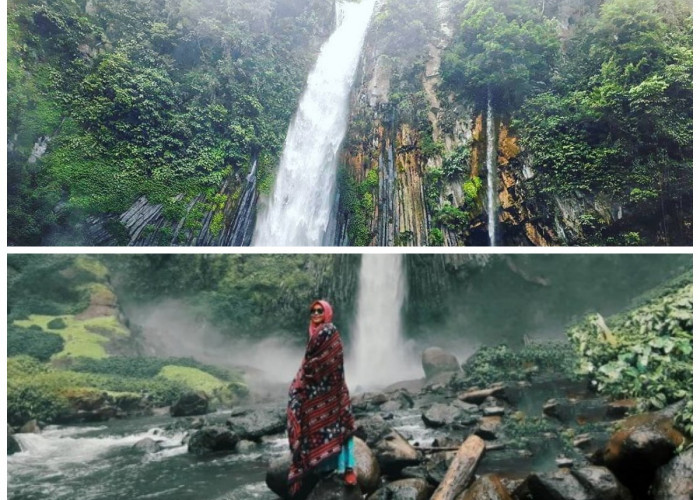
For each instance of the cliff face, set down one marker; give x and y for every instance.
(417, 156)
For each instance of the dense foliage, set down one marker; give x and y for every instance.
(501, 363)
(602, 108)
(157, 98)
(34, 342)
(646, 353)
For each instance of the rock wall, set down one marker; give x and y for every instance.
(393, 144)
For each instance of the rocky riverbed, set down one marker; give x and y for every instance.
(546, 437)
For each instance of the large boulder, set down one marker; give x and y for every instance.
(333, 488)
(643, 444)
(488, 487)
(436, 361)
(254, 424)
(441, 415)
(366, 467)
(372, 429)
(394, 453)
(212, 439)
(585, 483)
(404, 489)
(674, 481)
(191, 403)
(147, 445)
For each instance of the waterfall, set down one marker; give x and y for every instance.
(241, 233)
(379, 355)
(491, 170)
(299, 211)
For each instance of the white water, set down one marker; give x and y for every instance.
(379, 355)
(299, 211)
(491, 171)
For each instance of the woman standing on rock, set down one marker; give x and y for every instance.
(319, 416)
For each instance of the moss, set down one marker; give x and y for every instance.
(193, 378)
(93, 266)
(84, 338)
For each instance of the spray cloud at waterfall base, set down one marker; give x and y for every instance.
(379, 355)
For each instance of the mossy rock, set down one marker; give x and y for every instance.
(54, 324)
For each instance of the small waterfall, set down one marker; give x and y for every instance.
(242, 231)
(299, 211)
(379, 355)
(491, 170)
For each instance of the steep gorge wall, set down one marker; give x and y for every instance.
(405, 135)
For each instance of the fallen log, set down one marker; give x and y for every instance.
(461, 469)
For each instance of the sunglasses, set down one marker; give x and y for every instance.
(317, 311)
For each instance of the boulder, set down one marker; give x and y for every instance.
(558, 485)
(441, 415)
(147, 445)
(12, 444)
(333, 488)
(382, 401)
(488, 427)
(394, 453)
(436, 360)
(488, 487)
(366, 467)
(212, 439)
(674, 481)
(404, 489)
(601, 482)
(31, 427)
(245, 446)
(372, 429)
(254, 424)
(189, 404)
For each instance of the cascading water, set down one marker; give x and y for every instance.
(241, 233)
(299, 210)
(491, 170)
(379, 355)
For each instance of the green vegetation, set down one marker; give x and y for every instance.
(33, 341)
(357, 200)
(147, 99)
(646, 353)
(603, 112)
(501, 363)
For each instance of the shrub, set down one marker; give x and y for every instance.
(33, 342)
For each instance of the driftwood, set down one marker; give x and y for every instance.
(435, 449)
(461, 469)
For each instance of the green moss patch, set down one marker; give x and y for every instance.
(193, 378)
(82, 338)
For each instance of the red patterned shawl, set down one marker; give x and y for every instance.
(319, 415)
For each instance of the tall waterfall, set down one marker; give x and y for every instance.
(379, 355)
(300, 208)
(491, 170)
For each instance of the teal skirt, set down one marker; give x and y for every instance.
(343, 461)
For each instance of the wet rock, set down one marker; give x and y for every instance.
(437, 466)
(602, 483)
(366, 468)
(494, 411)
(12, 444)
(404, 489)
(440, 415)
(380, 401)
(191, 403)
(488, 428)
(478, 396)
(559, 485)
(488, 487)
(674, 481)
(212, 439)
(394, 453)
(31, 427)
(436, 360)
(372, 429)
(254, 424)
(415, 472)
(563, 462)
(147, 445)
(333, 488)
(197, 423)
